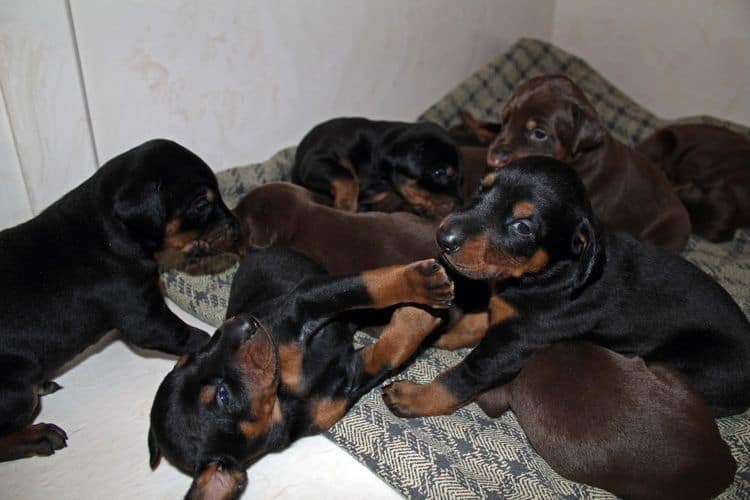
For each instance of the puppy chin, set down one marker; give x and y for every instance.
(474, 271)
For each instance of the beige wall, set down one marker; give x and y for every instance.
(237, 80)
(676, 57)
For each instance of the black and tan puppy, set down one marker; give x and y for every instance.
(364, 165)
(284, 367)
(559, 276)
(86, 265)
(600, 418)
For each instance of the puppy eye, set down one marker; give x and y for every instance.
(439, 173)
(538, 134)
(222, 396)
(522, 227)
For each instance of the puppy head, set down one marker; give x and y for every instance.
(526, 218)
(167, 199)
(547, 115)
(217, 410)
(267, 214)
(425, 169)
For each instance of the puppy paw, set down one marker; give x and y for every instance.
(37, 440)
(429, 284)
(400, 397)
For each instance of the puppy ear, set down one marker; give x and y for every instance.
(585, 244)
(588, 130)
(218, 480)
(154, 452)
(659, 146)
(138, 205)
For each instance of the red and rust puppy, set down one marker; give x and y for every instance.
(86, 265)
(710, 169)
(550, 115)
(559, 276)
(380, 165)
(280, 213)
(284, 367)
(600, 418)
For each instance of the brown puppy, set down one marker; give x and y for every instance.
(710, 168)
(597, 417)
(281, 213)
(550, 116)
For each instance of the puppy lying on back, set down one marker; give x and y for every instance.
(710, 169)
(550, 116)
(613, 422)
(281, 213)
(358, 162)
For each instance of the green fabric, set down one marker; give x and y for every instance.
(467, 454)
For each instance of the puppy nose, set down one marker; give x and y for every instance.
(449, 239)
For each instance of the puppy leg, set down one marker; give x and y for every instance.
(467, 332)
(336, 177)
(18, 438)
(423, 282)
(400, 338)
(156, 327)
(495, 361)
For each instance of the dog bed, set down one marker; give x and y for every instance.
(468, 455)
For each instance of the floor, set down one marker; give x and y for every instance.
(104, 408)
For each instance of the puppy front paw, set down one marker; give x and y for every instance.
(407, 399)
(34, 440)
(429, 284)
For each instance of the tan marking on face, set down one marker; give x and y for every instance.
(265, 409)
(326, 412)
(210, 195)
(467, 332)
(523, 209)
(176, 239)
(290, 359)
(207, 394)
(531, 124)
(182, 361)
(479, 258)
(450, 171)
(500, 310)
(433, 204)
(399, 339)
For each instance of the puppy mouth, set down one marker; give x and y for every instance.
(222, 239)
(476, 272)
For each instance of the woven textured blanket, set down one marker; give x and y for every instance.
(468, 455)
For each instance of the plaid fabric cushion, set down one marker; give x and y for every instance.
(467, 455)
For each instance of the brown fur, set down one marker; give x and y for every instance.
(627, 191)
(466, 332)
(398, 284)
(710, 169)
(600, 418)
(285, 214)
(400, 338)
